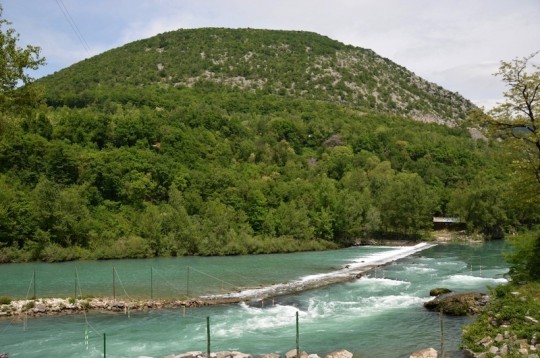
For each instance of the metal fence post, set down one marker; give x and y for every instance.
(208, 336)
(297, 337)
(187, 283)
(34, 281)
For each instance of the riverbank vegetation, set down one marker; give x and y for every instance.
(303, 175)
(108, 160)
(510, 324)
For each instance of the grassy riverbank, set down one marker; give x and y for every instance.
(509, 325)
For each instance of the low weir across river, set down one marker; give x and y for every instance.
(380, 314)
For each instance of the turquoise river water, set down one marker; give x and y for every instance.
(380, 315)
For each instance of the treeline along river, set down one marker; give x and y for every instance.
(378, 315)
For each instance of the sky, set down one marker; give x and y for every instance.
(457, 44)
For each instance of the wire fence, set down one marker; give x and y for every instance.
(138, 281)
(88, 338)
(147, 283)
(125, 284)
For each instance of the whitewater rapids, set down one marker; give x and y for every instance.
(349, 272)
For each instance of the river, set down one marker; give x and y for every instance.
(379, 315)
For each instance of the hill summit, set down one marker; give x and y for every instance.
(288, 63)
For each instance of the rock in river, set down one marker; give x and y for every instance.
(439, 291)
(458, 304)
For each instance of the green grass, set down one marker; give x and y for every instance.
(506, 312)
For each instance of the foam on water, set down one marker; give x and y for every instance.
(385, 257)
(391, 301)
(256, 319)
(380, 284)
(379, 306)
(465, 281)
(358, 265)
(361, 298)
(419, 269)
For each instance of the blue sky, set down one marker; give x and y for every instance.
(457, 44)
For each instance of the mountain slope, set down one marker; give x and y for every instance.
(298, 64)
(222, 142)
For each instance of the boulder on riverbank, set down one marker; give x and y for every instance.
(340, 354)
(424, 353)
(290, 354)
(458, 304)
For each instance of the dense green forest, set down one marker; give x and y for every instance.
(109, 159)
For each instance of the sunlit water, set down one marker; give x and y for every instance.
(380, 315)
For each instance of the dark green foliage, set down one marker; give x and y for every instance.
(407, 193)
(524, 260)
(180, 186)
(482, 206)
(136, 167)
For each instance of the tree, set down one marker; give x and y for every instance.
(516, 122)
(517, 119)
(481, 206)
(524, 259)
(407, 205)
(14, 60)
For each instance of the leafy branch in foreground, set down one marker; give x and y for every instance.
(14, 60)
(14, 64)
(517, 118)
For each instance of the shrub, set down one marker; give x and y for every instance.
(29, 305)
(57, 253)
(126, 247)
(5, 300)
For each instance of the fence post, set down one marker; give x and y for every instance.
(187, 283)
(113, 284)
(34, 281)
(104, 346)
(442, 333)
(297, 337)
(208, 336)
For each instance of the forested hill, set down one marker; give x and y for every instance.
(221, 142)
(297, 64)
